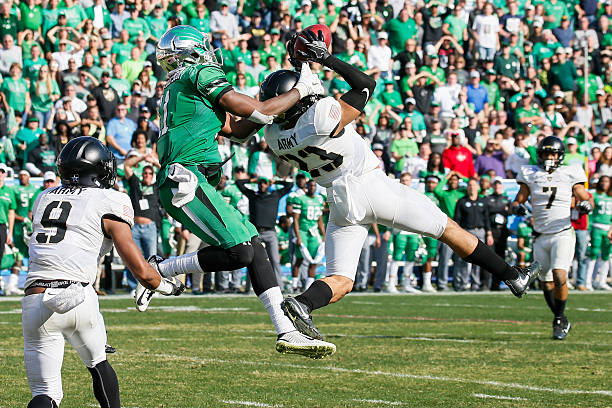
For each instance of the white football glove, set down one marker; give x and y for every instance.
(309, 83)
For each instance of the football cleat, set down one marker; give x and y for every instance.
(109, 349)
(527, 276)
(143, 297)
(298, 313)
(154, 261)
(561, 327)
(295, 342)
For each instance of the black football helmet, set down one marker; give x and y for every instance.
(550, 144)
(280, 82)
(85, 161)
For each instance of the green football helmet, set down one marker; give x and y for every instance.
(185, 45)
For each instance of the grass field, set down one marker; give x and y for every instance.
(484, 350)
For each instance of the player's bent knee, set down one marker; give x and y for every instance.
(241, 255)
(42, 401)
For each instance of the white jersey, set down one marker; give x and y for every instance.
(551, 195)
(68, 239)
(308, 146)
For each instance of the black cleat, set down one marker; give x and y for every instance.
(298, 313)
(561, 327)
(527, 276)
(109, 349)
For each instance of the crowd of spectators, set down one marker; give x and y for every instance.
(465, 88)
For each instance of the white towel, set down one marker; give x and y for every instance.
(64, 300)
(187, 184)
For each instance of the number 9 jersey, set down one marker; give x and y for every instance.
(309, 147)
(551, 195)
(68, 237)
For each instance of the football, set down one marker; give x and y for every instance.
(299, 44)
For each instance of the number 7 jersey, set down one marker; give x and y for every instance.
(309, 147)
(551, 195)
(68, 238)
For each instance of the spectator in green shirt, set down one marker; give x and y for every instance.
(75, 15)
(563, 72)
(400, 29)
(455, 25)
(132, 67)
(157, 22)
(507, 64)
(305, 14)
(31, 16)
(572, 157)
(390, 96)
(122, 49)
(9, 24)
(136, 25)
(15, 89)
(201, 21)
(45, 91)
(405, 146)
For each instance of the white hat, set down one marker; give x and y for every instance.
(306, 3)
(538, 21)
(497, 179)
(49, 176)
(474, 74)
(382, 34)
(410, 100)
(24, 171)
(572, 140)
(559, 94)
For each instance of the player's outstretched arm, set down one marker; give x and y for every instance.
(239, 129)
(121, 234)
(264, 112)
(362, 85)
(522, 196)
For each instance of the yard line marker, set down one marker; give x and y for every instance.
(499, 397)
(375, 401)
(380, 336)
(390, 374)
(361, 302)
(248, 403)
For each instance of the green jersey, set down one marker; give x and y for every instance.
(7, 202)
(23, 195)
(310, 209)
(602, 213)
(191, 117)
(524, 231)
(283, 245)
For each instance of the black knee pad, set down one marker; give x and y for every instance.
(42, 401)
(240, 255)
(260, 270)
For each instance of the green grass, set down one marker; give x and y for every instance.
(411, 351)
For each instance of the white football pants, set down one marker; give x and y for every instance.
(43, 336)
(554, 251)
(387, 202)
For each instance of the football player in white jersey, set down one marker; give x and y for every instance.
(74, 224)
(551, 187)
(317, 136)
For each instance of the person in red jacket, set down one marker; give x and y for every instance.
(458, 157)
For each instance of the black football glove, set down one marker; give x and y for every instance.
(519, 210)
(584, 207)
(290, 45)
(316, 49)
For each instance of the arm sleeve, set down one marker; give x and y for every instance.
(243, 189)
(578, 175)
(487, 220)
(287, 185)
(210, 81)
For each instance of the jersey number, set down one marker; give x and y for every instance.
(55, 216)
(335, 160)
(553, 194)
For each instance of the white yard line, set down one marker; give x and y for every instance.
(395, 375)
(499, 397)
(377, 402)
(248, 403)
(357, 336)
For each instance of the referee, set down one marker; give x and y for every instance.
(263, 210)
(8, 204)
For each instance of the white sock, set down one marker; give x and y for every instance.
(426, 279)
(588, 282)
(295, 281)
(180, 265)
(272, 299)
(392, 270)
(603, 273)
(12, 283)
(408, 267)
(309, 281)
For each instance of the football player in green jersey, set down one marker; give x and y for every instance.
(404, 242)
(24, 192)
(197, 105)
(600, 228)
(309, 231)
(431, 245)
(524, 232)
